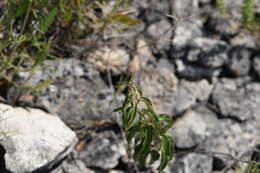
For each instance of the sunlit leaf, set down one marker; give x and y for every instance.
(48, 20)
(126, 20)
(41, 85)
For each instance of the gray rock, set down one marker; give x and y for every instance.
(160, 34)
(74, 95)
(158, 83)
(189, 130)
(226, 135)
(193, 163)
(257, 6)
(208, 52)
(188, 93)
(233, 7)
(256, 65)
(154, 11)
(75, 166)
(244, 38)
(196, 72)
(235, 101)
(103, 151)
(239, 60)
(218, 23)
(202, 129)
(169, 95)
(72, 166)
(185, 8)
(32, 139)
(185, 31)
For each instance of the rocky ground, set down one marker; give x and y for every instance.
(203, 69)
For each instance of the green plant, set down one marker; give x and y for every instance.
(146, 131)
(248, 11)
(28, 35)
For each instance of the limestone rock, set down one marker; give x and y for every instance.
(32, 139)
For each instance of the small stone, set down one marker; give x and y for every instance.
(160, 34)
(244, 38)
(257, 6)
(185, 31)
(158, 83)
(103, 151)
(196, 72)
(187, 94)
(75, 166)
(193, 163)
(189, 130)
(239, 60)
(256, 65)
(186, 8)
(110, 59)
(211, 54)
(218, 23)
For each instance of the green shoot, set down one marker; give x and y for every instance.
(146, 131)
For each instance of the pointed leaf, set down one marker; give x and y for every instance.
(166, 151)
(126, 111)
(48, 20)
(132, 115)
(146, 101)
(120, 109)
(126, 20)
(41, 85)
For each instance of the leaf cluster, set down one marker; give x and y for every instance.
(145, 130)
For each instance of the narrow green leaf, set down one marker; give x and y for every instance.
(146, 101)
(126, 20)
(132, 115)
(143, 149)
(22, 8)
(41, 85)
(118, 109)
(166, 151)
(48, 20)
(126, 111)
(125, 105)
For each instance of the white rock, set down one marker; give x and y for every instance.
(33, 139)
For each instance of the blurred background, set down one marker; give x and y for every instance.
(197, 60)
